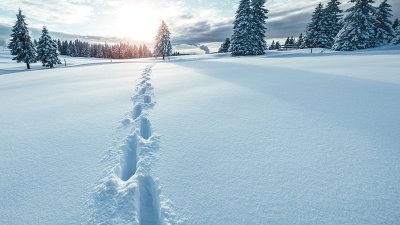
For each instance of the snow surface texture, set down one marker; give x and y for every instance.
(281, 139)
(129, 193)
(285, 138)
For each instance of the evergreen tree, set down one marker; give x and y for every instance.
(242, 41)
(396, 24)
(163, 45)
(332, 21)
(47, 50)
(20, 44)
(383, 27)
(300, 41)
(292, 40)
(140, 51)
(272, 46)
(71, 49)
(59, 46)
(396, 39)
(259, 17)
(287, 41)
(277, 45)
(315, 35)
(358, 31)
(225, 46)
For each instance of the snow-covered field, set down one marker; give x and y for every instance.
(286, 138)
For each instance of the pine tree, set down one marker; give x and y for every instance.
(59, 46)
(396, 39)
(140, 51)
(300, 40)
(287, 41)
(332, 21)
(71, 49)
(272, 46)
(358, 31)
(259, 17)
(396, 24)
(315, 35)
(383, 27)
(47, 50)
(225, 46)
(163, 45)
(292, 41)
(241, 41)
(20, 44)
(277, 45)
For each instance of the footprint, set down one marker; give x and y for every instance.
(149, 202)
(128, 158)
(145, 128)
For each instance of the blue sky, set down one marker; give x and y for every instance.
(191, 21)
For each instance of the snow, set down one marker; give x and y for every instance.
(285, 138)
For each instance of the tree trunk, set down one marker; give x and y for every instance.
(51, 66)
(28, 66)
(163, 57)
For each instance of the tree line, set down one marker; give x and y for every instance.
(47, 50)
(364, 26)
(80, 48)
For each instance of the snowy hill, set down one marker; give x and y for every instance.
(285, 138)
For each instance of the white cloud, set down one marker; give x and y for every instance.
(53, 11)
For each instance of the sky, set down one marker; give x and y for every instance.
(192, 22)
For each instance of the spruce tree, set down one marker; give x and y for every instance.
(396, 24)
(358, 31)
(332, 21)
(163, 45)
(300, 40)
(242, 41)
(47, 50)
(20, 44)
(287, 41)
(277, 45)
(292, 41)
(272, 46)
(225, 46)
(259, 17)
(383, 27)
(396, 39)
(315, 35)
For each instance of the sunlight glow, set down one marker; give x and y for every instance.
(137, 22)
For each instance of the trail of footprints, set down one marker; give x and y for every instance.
(137, 151)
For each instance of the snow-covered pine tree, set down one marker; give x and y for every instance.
(277, 45)
(396, 23)
(259, 17)
(292, 40)
(287, 41)
(163, 45)
(47, 50)
(225, 46)
(242, 41)
(358, 31)
(332, 21)
(59, 46)
(315, 35)
(383, 27)
(272, 46)
(396, 38)
(300, 40)
(20, 44)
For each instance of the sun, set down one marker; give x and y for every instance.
(138, 23)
